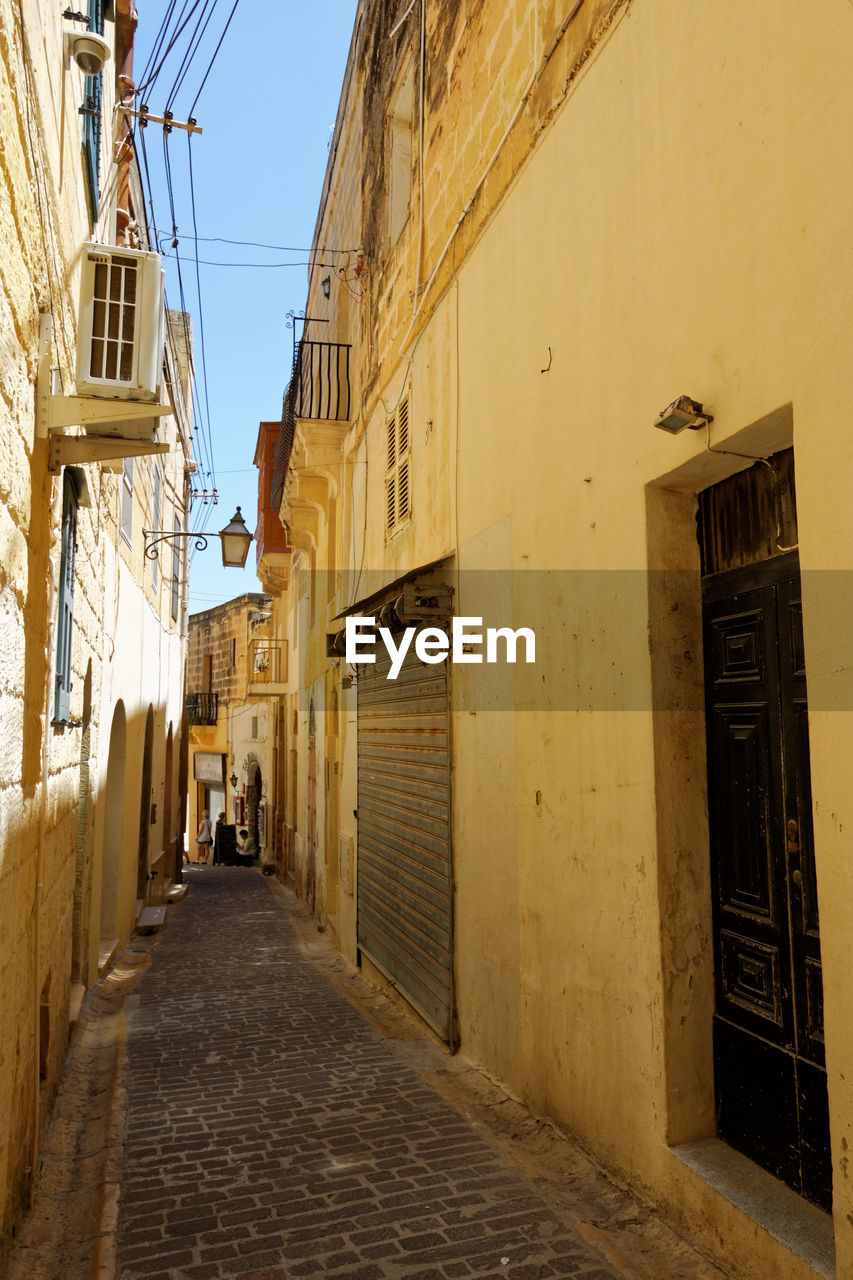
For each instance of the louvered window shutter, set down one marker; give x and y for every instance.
(397, 472)
(65, 612)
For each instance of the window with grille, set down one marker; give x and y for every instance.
(398, 468)
(114, 318)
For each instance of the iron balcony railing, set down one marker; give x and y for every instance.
(319, 388)
(321, 375)
(268, 662)
(202, 708)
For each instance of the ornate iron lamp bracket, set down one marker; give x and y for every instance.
(166, 535)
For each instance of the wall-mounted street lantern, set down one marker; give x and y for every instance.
(235, 539)
(233, 781)
(326, 285)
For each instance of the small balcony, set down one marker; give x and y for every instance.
(321, 381)
(202, 708)
(319, 391)
(267, 667)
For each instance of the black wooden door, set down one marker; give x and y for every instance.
(768, 1026)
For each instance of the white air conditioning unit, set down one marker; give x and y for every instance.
(122, 323)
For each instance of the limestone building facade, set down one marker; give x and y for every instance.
(234, 670)
(92, 633)
(562, 235)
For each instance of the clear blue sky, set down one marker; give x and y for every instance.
(266, 112)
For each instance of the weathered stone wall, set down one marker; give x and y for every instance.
(596, 240)
(125, 645)
(43, 219)
(211, 635)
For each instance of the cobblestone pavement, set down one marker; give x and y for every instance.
(274, 1131)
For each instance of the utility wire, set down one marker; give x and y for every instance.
(158, 40)
(150, 76)
(280, 248)
(263, 266)
(147, 173)
(198, 288)
(204, 432)
(213, 59)
(191, 50)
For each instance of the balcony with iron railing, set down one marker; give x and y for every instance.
(267, 672)
(319, 390)
(202, 708)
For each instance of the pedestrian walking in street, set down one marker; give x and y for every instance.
(204, 839)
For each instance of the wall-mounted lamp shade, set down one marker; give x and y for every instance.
(89, 50)
(236, 540)
(683, 412)
(233, 781)
(326, 285)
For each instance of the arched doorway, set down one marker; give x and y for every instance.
(254, 789)
(311, 834)
(168, 805)
(113, 810)
(145, 807)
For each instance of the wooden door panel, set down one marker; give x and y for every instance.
(802, 877)
(768, 1026)
(757, 1100)
(751, 980)
(742, 765)
(745, 802)
(739, 646)
(815, 1155)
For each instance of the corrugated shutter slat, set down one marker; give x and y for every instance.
(404, 834)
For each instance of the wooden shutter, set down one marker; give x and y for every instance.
(397, 468)
(65, 613)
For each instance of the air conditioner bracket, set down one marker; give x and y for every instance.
(131, 419)
(65, 450)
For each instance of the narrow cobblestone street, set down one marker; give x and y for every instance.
(270, 1127)
(240, 1103)
(273, 1132)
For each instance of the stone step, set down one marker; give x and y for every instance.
(151, 920)
(107, 948)
(177, 892)
(78, 991)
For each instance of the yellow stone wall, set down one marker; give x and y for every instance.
(623, 202)
(126, 648)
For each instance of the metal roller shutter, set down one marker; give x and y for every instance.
(405, 907)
